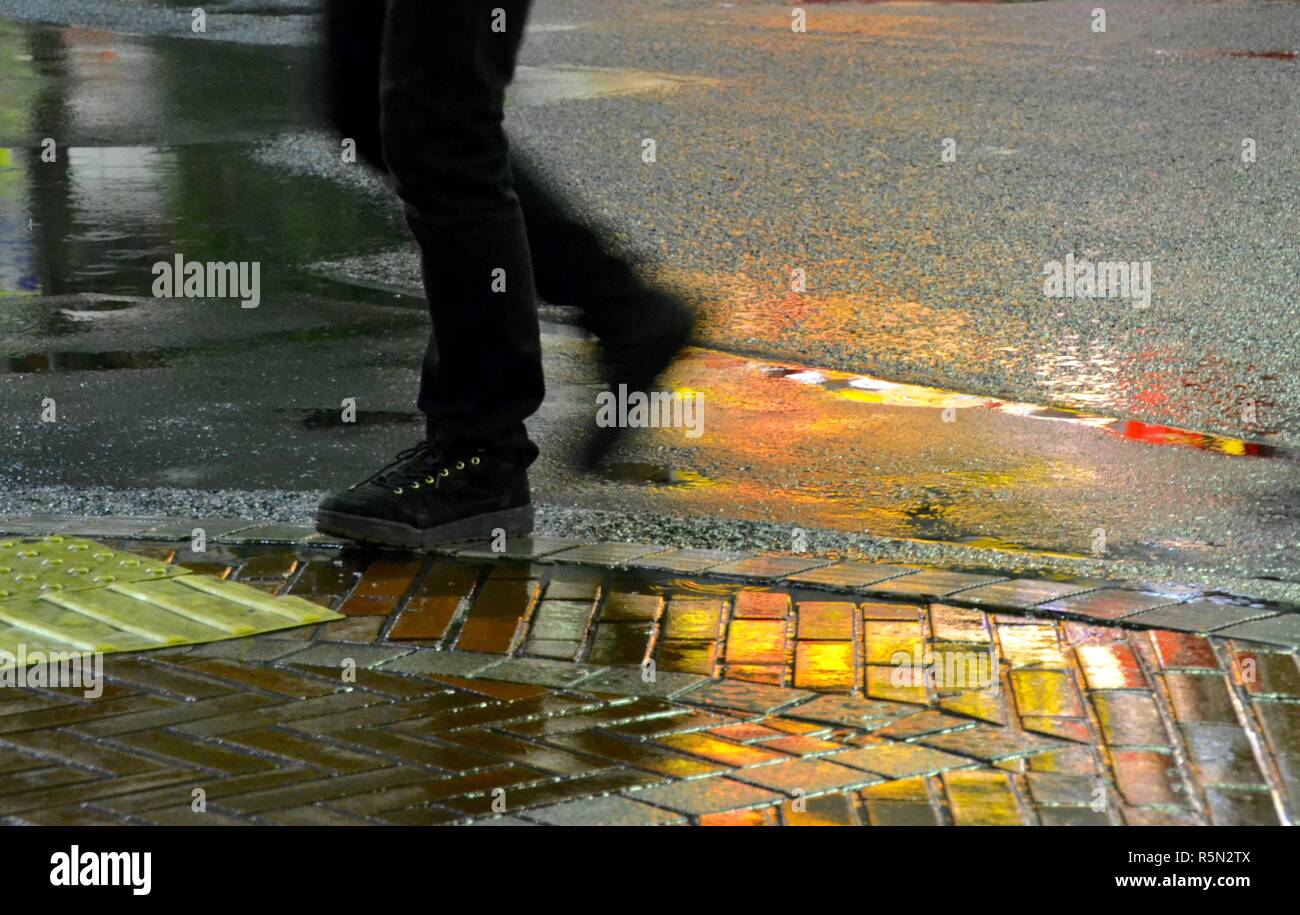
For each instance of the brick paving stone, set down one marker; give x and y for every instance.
(887, 641)
(623, 606)
(901, 760)
(620, 643)
(981, 704)
(338, 654)
(561, 620)
(1183, 650)
(607, 554)
(799, 745)
(1241, 807)
(930, 583)
(1200, 698)
(892, 684)
(495, 623)
(1221, 755)
(888, 812)
(639, 756)
(677, 724)
(1146, 778)
(232, 718)
(200, 754)
(848, 574)
(722, 751)
(440, 595)
(543, 673)
(75, 750)
(1130, 718)
(574, 583)
(141, 673)
(1023, 593)
(516, 548)
(768, 568)
(687, 562)
(828, 620)
(1106, 604)
(1280, 722)
(1197, 616)
(261, 649)
(1276, 630)
(325, 789)
(1058, 789)
(612, 810)
(312, 815)
(761, 816)
(690, 656)
(825, 810)
(82, 790)
(824, 666)
(691, 618)
(525, 753)
(768, 605)
(982, 798)
(1066, 728)
(364, 629)
(175, 796)
(746, 697)
(633, 682)
(1072, 816)
(416, 751)
(798, 777)
(1032, 645)
(454, 663)
(923, 723)
(702, 796)
(1267, 673)
(958, 624)
(850, 711)
(1049, 693)
(767, 674)
(1111, 666)
(585, 718)
(268, 679)
(267, 533)
(756, 641)
(989, 743)
(552, 649)
(890, 611)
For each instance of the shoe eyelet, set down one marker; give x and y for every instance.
(430, 480)
(397, 491)
(415, 485)
(445, 472)
(460, 465)
(474, 461)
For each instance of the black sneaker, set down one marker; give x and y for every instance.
(636, 355)
(426, 497)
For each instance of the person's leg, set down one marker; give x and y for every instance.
(444, 74)
(354, 35)
(641, 327)
(443, 71)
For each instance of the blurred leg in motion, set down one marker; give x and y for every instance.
(420, 87)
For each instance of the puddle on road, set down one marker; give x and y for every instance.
(654, 475)
(98, 217)
(866, 389)
(326, 418)
(80, 362)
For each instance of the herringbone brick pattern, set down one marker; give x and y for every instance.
(593, 696)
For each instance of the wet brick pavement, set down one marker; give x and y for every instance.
(636, 686)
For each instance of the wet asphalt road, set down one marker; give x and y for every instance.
(819, 152)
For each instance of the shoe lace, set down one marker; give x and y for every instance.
(415, 467)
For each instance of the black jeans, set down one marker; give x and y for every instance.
(420, 86)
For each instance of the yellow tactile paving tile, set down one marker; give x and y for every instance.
(62, 594)
(31, 566)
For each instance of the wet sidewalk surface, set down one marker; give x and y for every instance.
(620, 683)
